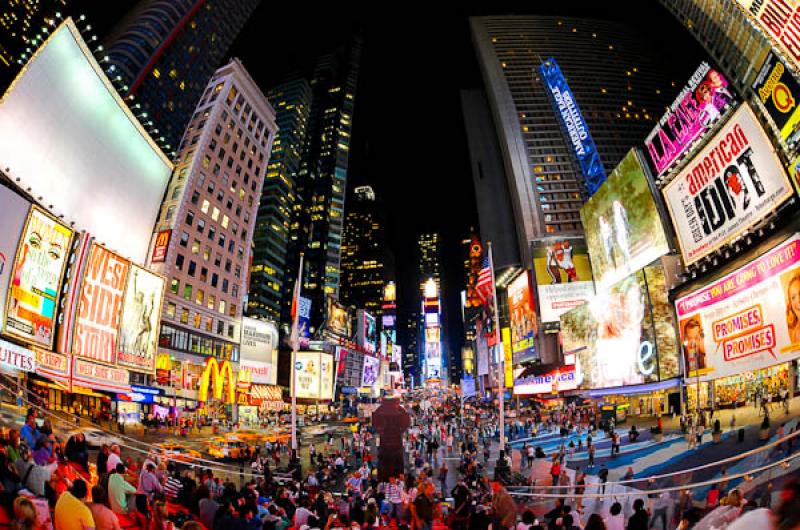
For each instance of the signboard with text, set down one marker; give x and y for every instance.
(160, 246)
(780, 21)
(746, 320)
(522, 317)
(563, 275)
(777, 90)
(732, 184)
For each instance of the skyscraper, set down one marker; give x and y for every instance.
(164, 52)
(429, 247)
(319, 221)
(615, 81)
(203, 234)
(366, 262)
(21, 31)
(292, 104)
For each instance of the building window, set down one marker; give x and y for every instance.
(184, 316)
(215, 214)
(212, 301)
(240, 253)
(232, 311)
(227, 265)
(196, 320)
(195, 197)
(211, 233)
(189, 217)
(225, 221)
(170, 213)
(222, 306)
(171, 310)
(209, 324)
(225, 285)
(220, 327)
(203, 274)
(222, 240)
(173, 286)
(199, 297)
(192, 268)
(235, 291)
(211, 186)
(214, 279)
(230, 330)
(184, 239)
(196, 247)
(187, 292)
(206, 253)
(238, 271)
(201, 225)
(205, 206)
(230, 246)
(179, 262)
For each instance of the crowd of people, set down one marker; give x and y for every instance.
(47, 483)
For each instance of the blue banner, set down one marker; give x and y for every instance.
(575, 126)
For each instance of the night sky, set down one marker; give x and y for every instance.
(408, 135)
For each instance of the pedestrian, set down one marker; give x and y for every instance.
(603, 476)
(443, 478)
(591, 450)
(733, 422)
(639, 520)
(555, 470)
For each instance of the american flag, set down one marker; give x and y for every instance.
(485, 285)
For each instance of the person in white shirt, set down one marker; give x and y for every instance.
(113, 459)
(615, 519)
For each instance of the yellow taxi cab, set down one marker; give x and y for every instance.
(230, 446)
(176, 451)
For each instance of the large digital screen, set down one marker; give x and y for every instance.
(259, 350)
(746, 320)
(522, 317)
(780, 21)
(563, 275)
(338, 319)
(36, 279)
(67, 135)
(555, 381)
(698, 106)
(313, 375)
(622, 224)
(777, 90)
(575, 126)
(13, 215)
(99, 306)
(732, 183)
(141, 316)
(624, 335)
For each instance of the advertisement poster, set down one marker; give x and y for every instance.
(141, 314)
(732, 183)
(779, 20)
(36, 279)
(624, 336)
(303, 319)
(528, 385)
(778, 91)
(696, 109)
(12, 218)
(508, 359)
(338, 319)
(259, 350)
(522, 316)
(563, 275)
(160, 246)
(325, 376)
(622, 224)
(483, 349)
(746, 320)
(368, 332)
(576, 128)
(307, 371)
(100, 377)
(372, 368)
(99, 306)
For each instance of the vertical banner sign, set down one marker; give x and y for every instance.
(141, 315)
(99, 306)
(36, 280)
(733, 182)
(563, 275)
(325, 376)
(777, 90)
(522, 316)
(698, 106)
(160, 247)
(576, 127)
(303, 319)
(13, 214)
(746, 320)
(508, 359)
(780, 21)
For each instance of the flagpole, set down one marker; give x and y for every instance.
(295, 340)
(501, 356)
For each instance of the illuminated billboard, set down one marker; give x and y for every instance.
(370, 371)
(698, 106)
(13, 215)
(549, 383)
(99, 306)
(338, 319)
(576, 128)
(522, 317)
(36, 281)
(777, 90)
(732, 184)
(622, 224)
(259, 350)
(313, 375)
(67, 135)
(625, 335)
(746, 320)
(780, 21)
(141, 316)
(563, 275)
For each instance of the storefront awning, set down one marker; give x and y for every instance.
(633, 389)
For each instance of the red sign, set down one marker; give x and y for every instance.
(99, 306)
(160, 246)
